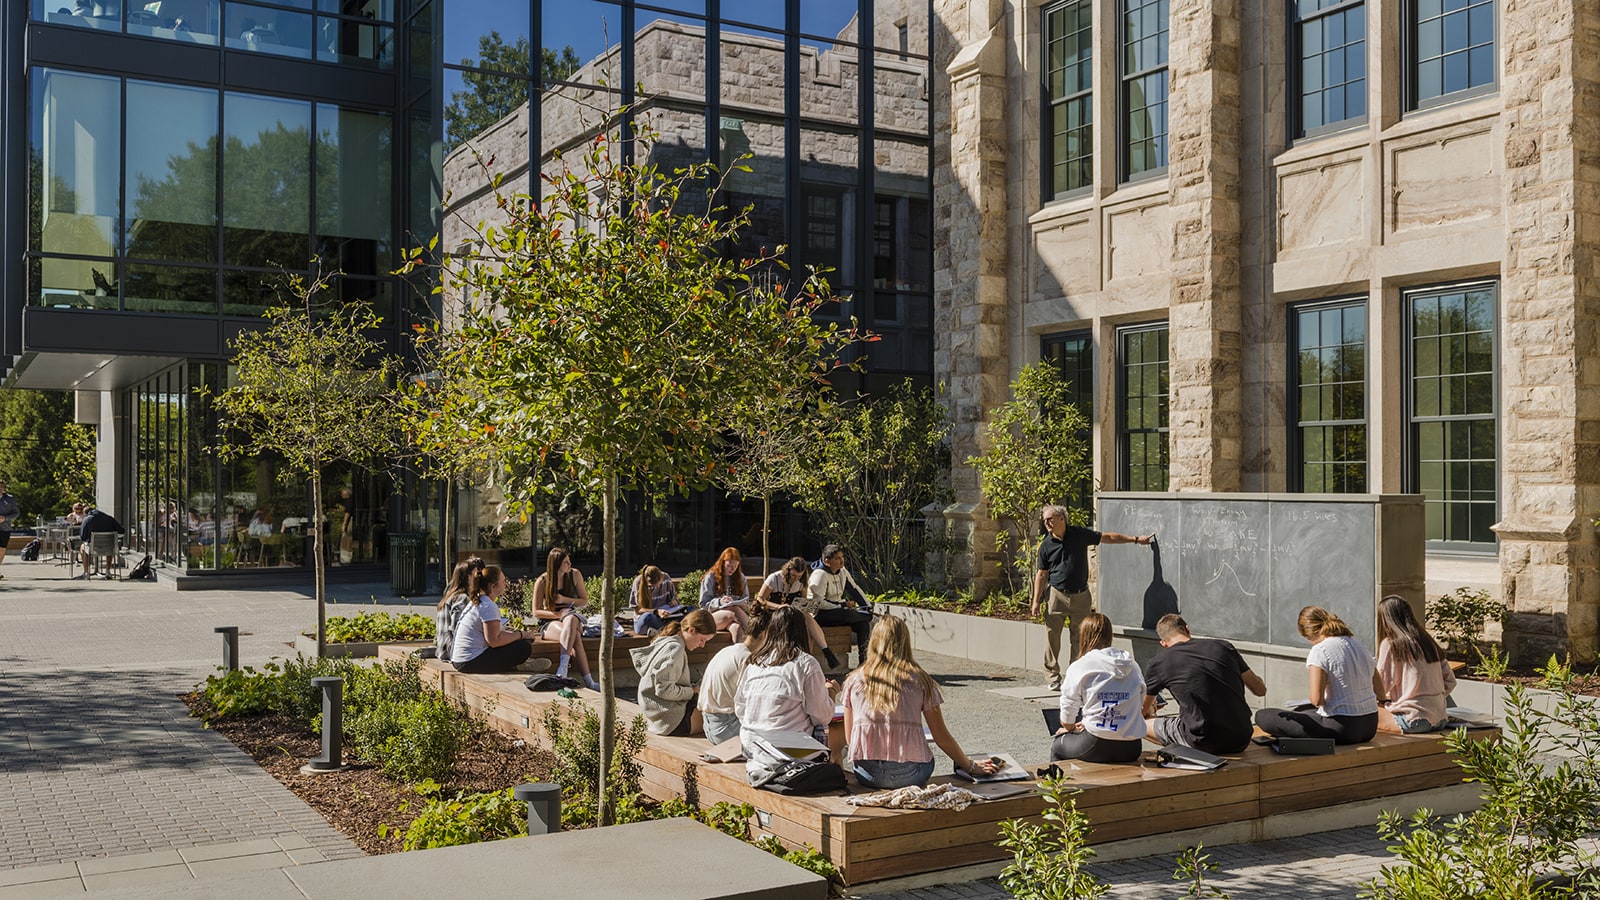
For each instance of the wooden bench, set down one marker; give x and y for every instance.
(841, 640)
(1122, 801)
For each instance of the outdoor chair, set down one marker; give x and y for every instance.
(105, 551)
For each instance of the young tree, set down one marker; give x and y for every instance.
(874, 467)
(770, 454)
(35, 429)
(1037, 455)
(602, 331)
(315, 390)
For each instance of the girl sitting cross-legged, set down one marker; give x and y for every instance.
(1344, 703)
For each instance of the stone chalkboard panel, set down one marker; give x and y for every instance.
(1240, 566)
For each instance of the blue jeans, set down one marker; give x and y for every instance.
(1409, 725)
(720, 727)
(885, 774)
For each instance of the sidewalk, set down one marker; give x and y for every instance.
(108, 782)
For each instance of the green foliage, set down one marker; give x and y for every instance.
(879, 464)
(922, 598)
(1193, 867)
(808, 857)
(311, 389)
(1038, 453)
(489, 98)
(1534, 813)
(1457, 619)
(1049, 860)
(36, 429)
(380, 627)
(688, 588)
(297, 699)
(466, 819)
(428, 736)
(574, 732)
(242, 692)
(774, 445)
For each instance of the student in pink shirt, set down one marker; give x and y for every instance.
(1412, 678)
(885, 703)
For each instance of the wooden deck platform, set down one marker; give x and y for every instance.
(1122, 801)
(841, 640)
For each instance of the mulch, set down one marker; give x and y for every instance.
(356, 801)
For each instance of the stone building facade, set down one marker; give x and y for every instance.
(1323, 245)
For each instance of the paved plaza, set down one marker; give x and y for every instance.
(108, 783)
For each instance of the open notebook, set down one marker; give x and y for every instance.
(1010, 769)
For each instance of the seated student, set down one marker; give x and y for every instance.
(95, 521)
(558, 598)
(1344, 705)
(1102, 694)
(75, 517)
(1413, 676)
(455, 593)
(725, 593)
(481, 645)
(666, 693)
(1208, 678)
(783, 688)
(885, 703)
(721, 681)
(651, 593)
(787, 587)
(838, 600)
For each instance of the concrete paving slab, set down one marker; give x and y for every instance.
(65, 887)
(269, 884)
(230, 865)
(206, 852)
(129, 862)
(135, 877)
(306, 857)
(1027, 692)
(291, 842)
(33, 874)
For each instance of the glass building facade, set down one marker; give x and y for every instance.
(165, 161)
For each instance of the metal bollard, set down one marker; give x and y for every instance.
(230, 646)
(332, 758)
(544, 806)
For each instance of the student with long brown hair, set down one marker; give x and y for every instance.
(886, 701)
(654, 599)
(725, 593)
(455, 593)
(558, 598)
(667, 693)
(1102, 700)
(787, 587)
(783, 688)
(1413, 676)
(481, 645)
(1344, 705)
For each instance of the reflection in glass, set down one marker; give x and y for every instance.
(344, 40)
(90, 283)
(98, 14)
(762, 188)
(477, 101)
(354, 161)
(682, 143)
(77, 120)
(264, 30)
(835, 19)
(170, 289)
(376, 295)
(766, 13)
(900, 93)
(172, 173)
(197, 21)
(488, 34)
(581, 39)
(422, 223)
(381, 10)
(249, 293)
(670, 57)
(266, 181)
(829, 172)
(752, 73)
(830, 86)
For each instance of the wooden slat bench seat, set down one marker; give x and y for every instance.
(840, 639)
(1122, 801)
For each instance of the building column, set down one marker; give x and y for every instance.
(1550, 340)
(1206, 387)
(970, 262)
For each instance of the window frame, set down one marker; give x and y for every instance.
(1411, 474)
(1124, 157)
(1296, 425)
(1297, 74)
(1408, 73)
(1049, 347)
(1124, 448)
(1049, 103)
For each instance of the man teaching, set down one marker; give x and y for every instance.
(1064, 574)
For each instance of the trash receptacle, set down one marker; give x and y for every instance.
(408, 563)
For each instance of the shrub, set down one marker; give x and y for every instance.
(242, 692)
(1193, 868)
(574, 730)
(808, 857)
(1048, 860)
(428, 736)
(1457, 619)
(688, 588)
(467, 819)
(297, 699)
(380, 627)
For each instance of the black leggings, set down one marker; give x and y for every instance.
(497, 659)
(1089, 748)
(859, 620)
(1308, 723)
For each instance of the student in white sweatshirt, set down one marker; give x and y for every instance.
(666, 692)
(1102, 695)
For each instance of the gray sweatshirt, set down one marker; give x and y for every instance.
(664, 685)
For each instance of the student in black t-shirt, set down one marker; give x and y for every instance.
(1208, 678)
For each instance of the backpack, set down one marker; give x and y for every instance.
(31, 551)
(141, 571)
(444, 626)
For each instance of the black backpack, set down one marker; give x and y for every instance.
(142, 571)
(31, 551)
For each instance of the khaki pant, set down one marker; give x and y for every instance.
(1058, 610)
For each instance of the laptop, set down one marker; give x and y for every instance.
(1052, 719)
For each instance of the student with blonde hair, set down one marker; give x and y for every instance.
(1344, 705)
(667, 694)
(886, 701)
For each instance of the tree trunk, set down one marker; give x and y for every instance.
(608, 699)
(766, 533)
(321, 576)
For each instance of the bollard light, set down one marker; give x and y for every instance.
(230, 646)
(544, 806)
(332, 758)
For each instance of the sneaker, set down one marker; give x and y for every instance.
(591, 684)
(1055, 683)
(535, 666)
(833, 660)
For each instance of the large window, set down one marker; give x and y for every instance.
(1069, 84)
(1144, 86)
(1142, 416)
(1451, 45)
(1329, 392)
(1073, 355)
(1451, 405)
(1331, 42)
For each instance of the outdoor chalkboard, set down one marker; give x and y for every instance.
(1240, 568)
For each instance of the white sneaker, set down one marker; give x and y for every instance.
(535, 665)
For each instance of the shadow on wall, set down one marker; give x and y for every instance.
(1159, 598)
